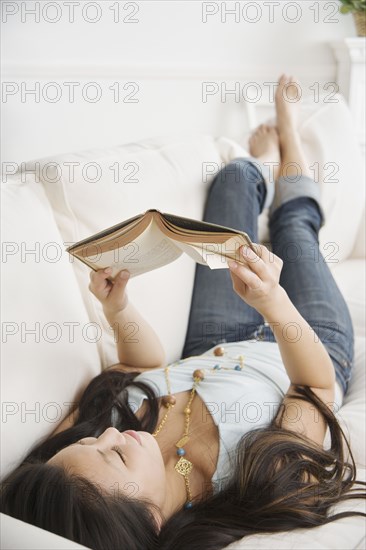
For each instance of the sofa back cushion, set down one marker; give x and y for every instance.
(95, 189)
(49, 349)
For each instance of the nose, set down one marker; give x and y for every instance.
(111, 436)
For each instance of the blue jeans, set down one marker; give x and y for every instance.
(217, 315)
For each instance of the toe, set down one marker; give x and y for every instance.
(283, 79)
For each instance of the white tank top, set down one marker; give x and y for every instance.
(238, 400)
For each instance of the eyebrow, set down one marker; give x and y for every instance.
(105, 457)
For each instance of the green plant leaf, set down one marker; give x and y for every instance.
(352, 6)
(358, 5)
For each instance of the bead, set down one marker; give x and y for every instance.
(237, 367)
(219, 351)
(217, 367)
(188, 505)
(198, 373)
(181, 451)
(168, 400)
(187, 410)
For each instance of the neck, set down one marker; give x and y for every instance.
(176, 494)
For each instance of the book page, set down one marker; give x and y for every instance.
(215, 255)
(148, 251)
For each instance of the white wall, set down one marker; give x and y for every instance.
(167, 55)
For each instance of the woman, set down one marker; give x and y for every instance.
(110, 476)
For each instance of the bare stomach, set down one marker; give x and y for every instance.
(202, 449)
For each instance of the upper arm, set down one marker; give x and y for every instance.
(126, 368)
(302, 416)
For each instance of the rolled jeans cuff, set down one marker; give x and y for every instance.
(266, 175)
(292, 187)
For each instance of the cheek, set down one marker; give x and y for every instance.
(159, 474)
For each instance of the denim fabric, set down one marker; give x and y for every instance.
(236, 198)
(291, 187)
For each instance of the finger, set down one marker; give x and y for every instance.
(245, 275)
(238, 284)
(123, 275)
(267, 255)
(98, 279)
(254, 262)
(100, 274)
(120, 282)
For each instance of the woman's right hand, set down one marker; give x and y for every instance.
(112, 295)
(257, 282)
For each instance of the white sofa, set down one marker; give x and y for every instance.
(55, 338)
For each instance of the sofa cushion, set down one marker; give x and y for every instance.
(168, 175)
(19, 535)
(350, 277)
(346, 532)
(49, 350)
(334, 157)
(338, 535)
(171, 174)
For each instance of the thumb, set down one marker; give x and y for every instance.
(118, 290)
(122, 278)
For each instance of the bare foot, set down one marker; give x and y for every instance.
(265, 146)
(288, 96)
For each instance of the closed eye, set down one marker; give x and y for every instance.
(118, 451)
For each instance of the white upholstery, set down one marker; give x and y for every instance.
(333, 156)
(170, 178)
(43, 365)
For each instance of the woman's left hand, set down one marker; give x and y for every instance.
(257, 282)
(113, 296)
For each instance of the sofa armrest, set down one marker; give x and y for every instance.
(359, 248)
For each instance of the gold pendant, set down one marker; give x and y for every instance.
(183, 466)
(182, 441)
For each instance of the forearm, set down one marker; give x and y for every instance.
(305, 358)
(137, 343)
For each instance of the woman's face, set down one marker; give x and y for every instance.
(140, 474)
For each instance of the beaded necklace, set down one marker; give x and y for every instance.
(184, 466)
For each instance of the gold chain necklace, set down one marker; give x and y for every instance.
(184, 466)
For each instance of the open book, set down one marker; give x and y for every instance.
(153, 239)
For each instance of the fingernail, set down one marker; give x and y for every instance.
(124, 274)
(232, 265)
(108, 270)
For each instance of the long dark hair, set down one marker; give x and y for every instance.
(280, 481)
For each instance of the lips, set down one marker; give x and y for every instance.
(135, 435)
